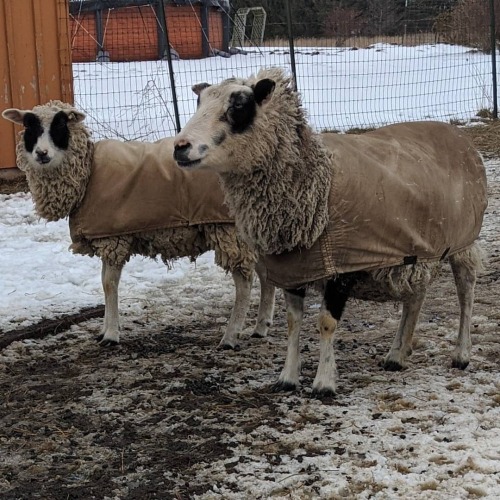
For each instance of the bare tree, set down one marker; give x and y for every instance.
(343, 22)
(383, 17)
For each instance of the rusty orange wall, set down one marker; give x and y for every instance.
(184, 30)
(83, 36)
(35, 61)
(131, 33)
(215, 29)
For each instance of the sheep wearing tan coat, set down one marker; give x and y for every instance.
(123, 199)
(370, 216)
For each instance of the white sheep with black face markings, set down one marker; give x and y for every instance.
(369, 216)
(59, 159)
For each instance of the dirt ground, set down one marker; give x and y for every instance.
(167, 415)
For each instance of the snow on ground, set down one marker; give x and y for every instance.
(42, 278)
(167, 415)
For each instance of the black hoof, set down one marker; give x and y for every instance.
(229, 347)
(461, 365)
(283, 387)
(323, 393)
(106, 343)
(392, 366)
(257, 335)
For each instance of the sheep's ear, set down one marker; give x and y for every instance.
(263, 90)
(75, 116)
(198, 87)
(14, 115)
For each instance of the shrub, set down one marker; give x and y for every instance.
(468, 24)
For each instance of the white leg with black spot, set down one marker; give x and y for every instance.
(325, 381)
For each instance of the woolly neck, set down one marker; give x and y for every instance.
(280, 197)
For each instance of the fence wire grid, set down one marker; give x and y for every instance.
(135, 61)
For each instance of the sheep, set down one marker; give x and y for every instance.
(371, 216)
(122, 201)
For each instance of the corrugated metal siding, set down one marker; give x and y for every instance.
(35, 61)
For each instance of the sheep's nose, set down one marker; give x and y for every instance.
(42, 155)
(181, 144)
(181, 150)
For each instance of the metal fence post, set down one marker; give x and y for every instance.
(205, 45)
(102, 55)
(170, 69)
(226, 26)
(290, 43)
(493, 57)
(161, 29)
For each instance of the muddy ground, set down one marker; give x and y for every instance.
(167, 415)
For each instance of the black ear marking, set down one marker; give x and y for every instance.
(263, 90)
(198, 87)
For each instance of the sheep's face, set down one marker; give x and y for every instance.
(217, 136)
(46, 135)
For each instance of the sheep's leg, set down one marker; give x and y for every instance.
(464, 272)
(325, 382)
(266, 305)
(402, 344)
(326, 376)
(241, 304)
(110, 276)
(289, 376)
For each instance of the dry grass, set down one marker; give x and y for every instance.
(12, 183)
(486, 137)
(356, 41)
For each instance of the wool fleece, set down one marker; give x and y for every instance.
(136, 186)
(402, 194)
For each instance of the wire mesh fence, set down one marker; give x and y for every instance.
(357, 64)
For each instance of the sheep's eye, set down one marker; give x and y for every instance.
(31, 120)
(241, 111)
(232, 111)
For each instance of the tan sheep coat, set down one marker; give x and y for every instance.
(136, 187)
(412, 192)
